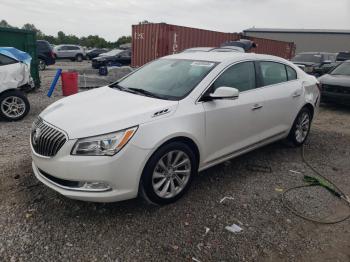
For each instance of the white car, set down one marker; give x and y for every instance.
(152, 131)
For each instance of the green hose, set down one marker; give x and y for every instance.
(317, 181)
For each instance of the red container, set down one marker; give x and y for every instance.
(151, 41)
(273, 47)
(69, 83)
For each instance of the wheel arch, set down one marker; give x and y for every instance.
(310, 107)
(9, 90)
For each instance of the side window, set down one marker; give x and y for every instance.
(291, 73)
(240, 76)
(5, 60)
(273, 73)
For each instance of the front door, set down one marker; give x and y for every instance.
(232, 125)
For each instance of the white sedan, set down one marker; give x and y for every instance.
(152, 131)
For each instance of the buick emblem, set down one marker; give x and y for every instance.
(36, 135)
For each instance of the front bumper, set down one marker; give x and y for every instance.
(121, 172)
(333, 97)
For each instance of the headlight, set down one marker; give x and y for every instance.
(104, 145)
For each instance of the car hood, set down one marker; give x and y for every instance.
(338, 80)
(104, 110)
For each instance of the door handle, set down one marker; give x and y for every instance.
(296, 94)
(257, 106)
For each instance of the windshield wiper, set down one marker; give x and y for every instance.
(145, 92)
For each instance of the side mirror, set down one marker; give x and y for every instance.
(225, 92)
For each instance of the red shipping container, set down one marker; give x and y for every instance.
(69, 83)
(151, 41)
(273, 47)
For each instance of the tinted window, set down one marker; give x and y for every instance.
(240, 76)
(291, 73)
(5, 60)
(273, 73)
(43, 46)
(342, 69)
(73, 48)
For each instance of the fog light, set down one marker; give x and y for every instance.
(94, 186)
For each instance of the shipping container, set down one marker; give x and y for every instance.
(273, 47)
(23, 40)
(151, 41)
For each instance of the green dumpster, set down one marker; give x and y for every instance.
(23, 40)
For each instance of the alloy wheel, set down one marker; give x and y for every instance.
(302, 127)
(13, 107)
(171, 174)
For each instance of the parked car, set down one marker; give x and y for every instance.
(152, 131)
(315, 63)
(14, 75)
(335, 85)
(343, 56)
(116, 57)
(45, 54)
(95, 52)
(73, 52)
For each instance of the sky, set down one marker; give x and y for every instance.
(113, 18)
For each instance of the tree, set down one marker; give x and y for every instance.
(3, 23)
(144, 22)
(123, 40)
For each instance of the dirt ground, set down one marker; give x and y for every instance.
(38, 224)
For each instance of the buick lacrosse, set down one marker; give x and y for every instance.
(151, 132)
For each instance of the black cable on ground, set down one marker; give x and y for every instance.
(336, 191)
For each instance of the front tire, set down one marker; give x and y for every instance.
(42, 65)
(168, 173)
(14, 105)
(301, 127)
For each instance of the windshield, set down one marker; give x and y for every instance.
(168, 78)
(314, 58)
(342, 69)
(112, 53)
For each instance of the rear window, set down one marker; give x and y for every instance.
(273, 73)
(43, 46)
(291, 73)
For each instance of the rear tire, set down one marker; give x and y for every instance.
(168, 173)
(14, 105)
(301, 127)
(79, 58)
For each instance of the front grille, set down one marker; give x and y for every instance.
(46, 140)
(336, 89)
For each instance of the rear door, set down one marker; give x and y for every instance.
(233, 125)
(283, 95)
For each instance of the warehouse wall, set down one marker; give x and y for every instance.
(309, 41)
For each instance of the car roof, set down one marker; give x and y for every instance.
(222, 56)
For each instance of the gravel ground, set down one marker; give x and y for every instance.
(37, 224)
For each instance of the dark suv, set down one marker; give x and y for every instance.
(343, 56)
(45, 54)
